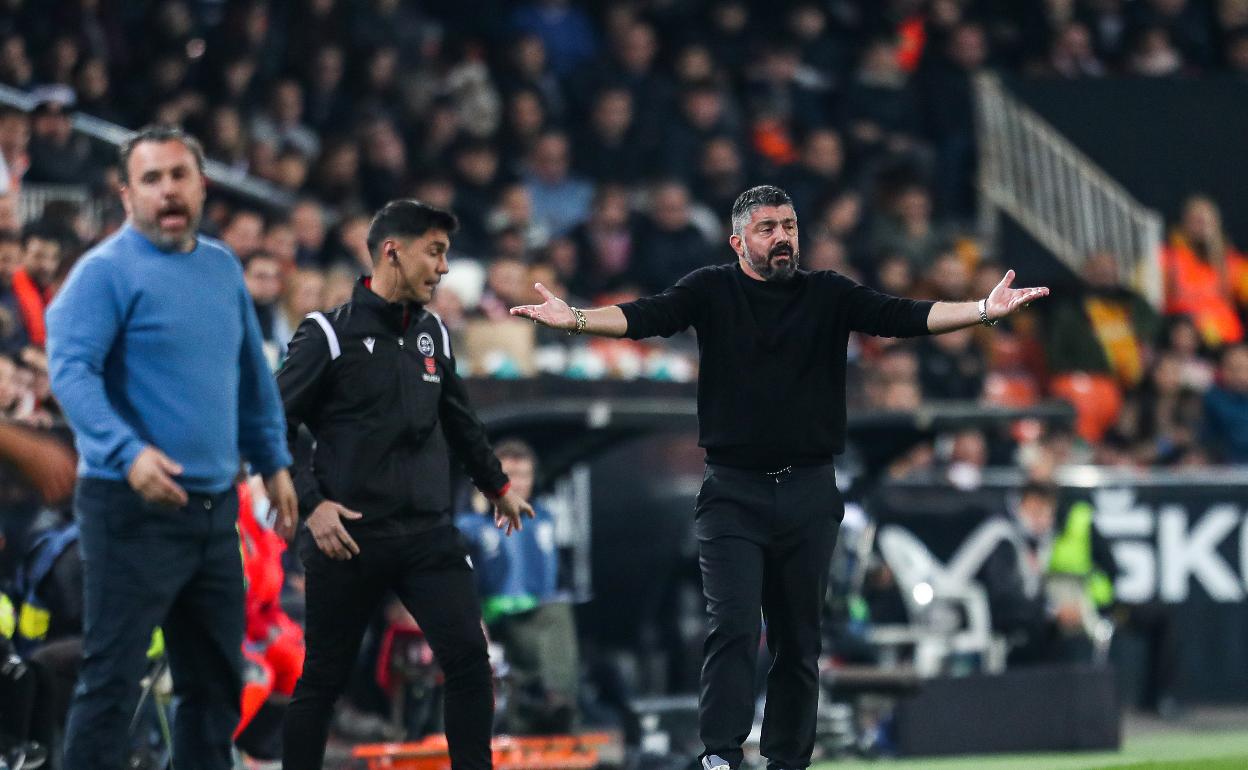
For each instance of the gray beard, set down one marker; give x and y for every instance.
(770, 272)
(167, 242)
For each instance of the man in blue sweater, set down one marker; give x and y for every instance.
(155, 356)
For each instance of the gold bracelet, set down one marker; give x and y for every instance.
(580, 321)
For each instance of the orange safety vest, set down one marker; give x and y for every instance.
(1194, 288)
(32, 301)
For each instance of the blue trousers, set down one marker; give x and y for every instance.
(146, 566)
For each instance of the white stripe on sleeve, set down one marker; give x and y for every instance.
(330, 335)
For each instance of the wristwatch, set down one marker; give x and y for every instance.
(983, 314)
(579, 315)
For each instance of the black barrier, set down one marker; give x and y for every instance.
(1049, 708)
(1180, 539)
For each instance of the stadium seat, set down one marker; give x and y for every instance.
(1096, 398)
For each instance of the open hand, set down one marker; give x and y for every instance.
(554, 312)
(1003, 300)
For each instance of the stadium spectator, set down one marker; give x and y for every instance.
(327, 103)
(1226, 408)
(946, 278)
(605, 244)
(560, 201)
(305, 293)
(721, 171)
(703, 115)
(384, 170)
(1108, 23)
(820, 50)
(58, 155)
(564, 30)
(244, 232)
(781, 87)
(307, 219)
(522, 604)
(1072, 55)
(908, 230)
(1043, 621)
(610, 148)
(951, 366)
(339, 282)
(1182, 339)
(881, 112)
(1154, 54)
(1183, 21)
(336, 177)
(1167, 416)
(227, 141)
(45, 245)
(14, 146)
(506, 284)
(668, 245)
(1205, 276)
(12, 328)
(279, 242)
(524, 120)
(262, 272)
(633, 64)
(477, 175)
(817, 176)
(1123, 327)
(529, 70)
(514, 227)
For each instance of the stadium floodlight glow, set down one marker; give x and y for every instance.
(923, 594)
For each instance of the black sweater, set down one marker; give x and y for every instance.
(771, 387)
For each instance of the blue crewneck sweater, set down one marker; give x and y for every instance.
(161, 348)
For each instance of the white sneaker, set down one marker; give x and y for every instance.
(715, 762)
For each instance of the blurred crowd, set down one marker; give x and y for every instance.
(597, 147)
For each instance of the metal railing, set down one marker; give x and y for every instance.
(1058, 194)
(237, 182)
(33, 198)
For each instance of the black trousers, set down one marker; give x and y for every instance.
(430, 574)
(146, 566)
(765, 542)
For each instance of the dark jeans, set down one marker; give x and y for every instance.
(764, 543)
(146, 566)
(430, 573)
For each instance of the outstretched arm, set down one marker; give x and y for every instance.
(949, 316)
(555, 313)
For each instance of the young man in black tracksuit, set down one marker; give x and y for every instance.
(771, 413)
(374, 381)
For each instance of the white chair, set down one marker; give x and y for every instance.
(949, 613)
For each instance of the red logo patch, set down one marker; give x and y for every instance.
(431, 366)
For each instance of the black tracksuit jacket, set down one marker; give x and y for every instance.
(375, 383)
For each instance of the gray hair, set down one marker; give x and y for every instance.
(159, 134)
(753, 199)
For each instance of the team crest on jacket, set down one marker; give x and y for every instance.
(431, 370)
(424, 343)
